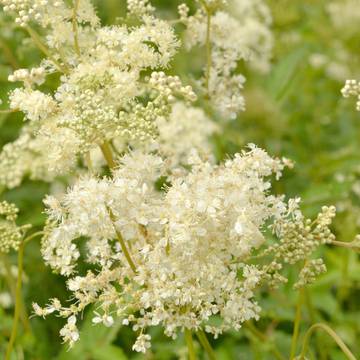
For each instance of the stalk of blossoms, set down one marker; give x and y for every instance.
(108, 155)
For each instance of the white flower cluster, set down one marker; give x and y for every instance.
(103, 94)
(33, 103)
(240, 33)
(26, 156)
(35, 76)
(186, 128)
(139, 7)
(352, 88)
(175, 257)
(47, 13)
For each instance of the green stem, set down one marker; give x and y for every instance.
(8, 111)
(12, 287)
(190, 344)
(17, 302)
(106, 150)
(296, 324)
(122, 243)
(75, 27)
(205, 344)
(353, 245)
(208, 47)
(312, 314)
(36, 38)
(332, 334)
(208, 52)
(33, 236)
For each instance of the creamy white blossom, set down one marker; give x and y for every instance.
(238, 32)
(102, 95)
(187, 248)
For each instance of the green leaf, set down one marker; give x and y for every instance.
(284, 73)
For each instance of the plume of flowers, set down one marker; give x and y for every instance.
(231, 32)
(180, 256)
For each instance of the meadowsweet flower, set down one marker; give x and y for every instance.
(35, 76)
(240, 33)
(69, 332)
(33, 103)
(191, 243)
(172, 239)
(102, 94)
(142, 343)
(186, 128)
(139, 7)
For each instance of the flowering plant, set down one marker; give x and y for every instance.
(170, 237)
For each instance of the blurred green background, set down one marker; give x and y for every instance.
(296, 111)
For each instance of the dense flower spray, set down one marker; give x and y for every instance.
(231, 31)
(180, 256)
(173, 239)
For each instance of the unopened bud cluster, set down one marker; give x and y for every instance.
(309, 273)
(10, 234)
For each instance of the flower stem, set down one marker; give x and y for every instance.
(208, 47)
(296, 324)
(8, 111)
(75, 27)
(312, 314)
(190, 344)
(208, 53)
(17, 302)
(122, 243)
(106, 150)
(36, 38)
(205, 344)
(332, 334)
(12, 287)
(354, 245)
(32, 236)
